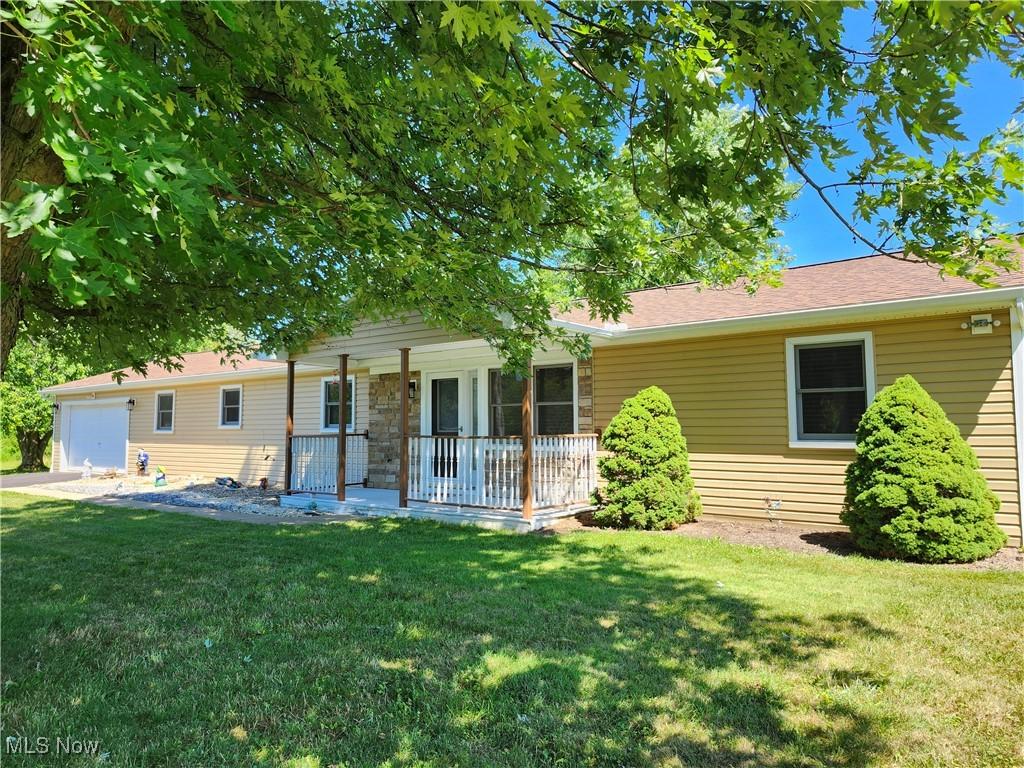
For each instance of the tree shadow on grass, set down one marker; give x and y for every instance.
(836, 542)
(392, 642)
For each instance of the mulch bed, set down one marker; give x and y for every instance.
(778, 536)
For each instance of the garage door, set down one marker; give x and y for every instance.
(97, 433)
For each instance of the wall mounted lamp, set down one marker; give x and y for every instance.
(980, 324)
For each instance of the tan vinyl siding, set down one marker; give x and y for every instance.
(731, 396)
(309, 417)
(199, 446)
(370, 338)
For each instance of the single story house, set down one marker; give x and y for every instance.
(768, 387)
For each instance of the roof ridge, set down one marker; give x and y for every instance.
(223, 356)
(224, 362)
(785, 269)
(842, 282)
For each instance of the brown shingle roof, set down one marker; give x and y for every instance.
(194, 364)
(816, 286)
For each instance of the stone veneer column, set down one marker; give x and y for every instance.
(384, 426)
(585, 393)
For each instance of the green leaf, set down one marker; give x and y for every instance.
(462, 20)
(32, 210)
(505, 29)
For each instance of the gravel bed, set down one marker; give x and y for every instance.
(190, 492)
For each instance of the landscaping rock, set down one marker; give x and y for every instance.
(182, 492)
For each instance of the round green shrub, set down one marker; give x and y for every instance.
(648, 472)
(914, 491)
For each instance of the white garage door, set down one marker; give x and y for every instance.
(97, 433)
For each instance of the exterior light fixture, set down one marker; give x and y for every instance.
(981, 324)
(129, 404)
(56, 406)
(412, 390)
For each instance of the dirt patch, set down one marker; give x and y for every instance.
(778, 536)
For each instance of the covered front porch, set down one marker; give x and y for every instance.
(447, 435)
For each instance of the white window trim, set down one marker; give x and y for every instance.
(791, 378)
(156, 411)
(220, 406)
(323, 404)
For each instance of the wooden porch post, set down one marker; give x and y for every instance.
(342, 423)
(403, 451)
(527, 462)
(289, 426)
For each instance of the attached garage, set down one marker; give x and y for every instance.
(212, 417)
(94, 430)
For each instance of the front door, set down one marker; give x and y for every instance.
(444, 425)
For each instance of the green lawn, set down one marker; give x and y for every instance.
(10, 455)
(180, 641)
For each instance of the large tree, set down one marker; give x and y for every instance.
(265, 172)
(25, 413)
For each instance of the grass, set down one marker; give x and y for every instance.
(10, 454)
(180, 641)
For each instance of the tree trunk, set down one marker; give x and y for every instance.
(14, 262)
(25, 158)
(33, 448)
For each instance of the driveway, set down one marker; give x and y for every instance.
(36, 478)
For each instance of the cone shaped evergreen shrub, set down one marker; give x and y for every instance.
(915, 491)
(648, 472)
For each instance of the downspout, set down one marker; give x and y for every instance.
(1017, 365)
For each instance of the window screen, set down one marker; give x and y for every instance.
(165, 412)
(505, 398)
(331, 409)
(831, 390)
(554, 402)
(231, 407)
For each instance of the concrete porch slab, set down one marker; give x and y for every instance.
(380, 502)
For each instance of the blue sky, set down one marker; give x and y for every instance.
(814, 235)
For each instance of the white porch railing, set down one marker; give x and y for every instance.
(315, 462)
(487, 471)
(564, 469)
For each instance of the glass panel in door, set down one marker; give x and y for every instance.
(444, 425)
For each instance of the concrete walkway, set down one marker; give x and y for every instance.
(232, 516)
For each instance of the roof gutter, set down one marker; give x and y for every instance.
(923, 305)
(604, 332)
